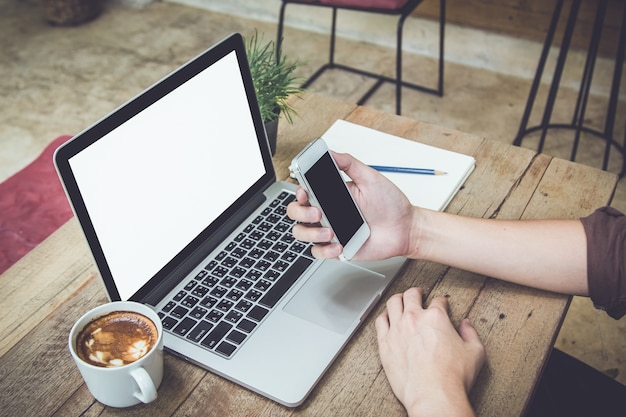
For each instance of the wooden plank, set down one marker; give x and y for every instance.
(27, 292)
(516, 326)
(570, 190)
(42, 361)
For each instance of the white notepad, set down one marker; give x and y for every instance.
(378, 148)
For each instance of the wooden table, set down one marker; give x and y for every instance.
(42, 295)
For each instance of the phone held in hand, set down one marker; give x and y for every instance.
(316, 171)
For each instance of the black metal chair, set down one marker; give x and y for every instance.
(401, 8)
(577, 123)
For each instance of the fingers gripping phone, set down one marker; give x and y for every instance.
(316, 171)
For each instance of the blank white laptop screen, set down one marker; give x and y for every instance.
(169, 185)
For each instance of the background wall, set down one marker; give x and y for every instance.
(528, 19)
(487, 34)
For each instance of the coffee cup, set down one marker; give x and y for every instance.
(118, 349)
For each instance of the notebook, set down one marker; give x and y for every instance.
(178, 200)
(379, 148)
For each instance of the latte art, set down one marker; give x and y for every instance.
(116, 339)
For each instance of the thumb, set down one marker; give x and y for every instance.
(353, 168)
(349, 164)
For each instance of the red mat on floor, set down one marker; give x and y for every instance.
(32, 206)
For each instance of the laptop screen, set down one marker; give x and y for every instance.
(154, 183)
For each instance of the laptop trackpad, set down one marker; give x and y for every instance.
(337, 294)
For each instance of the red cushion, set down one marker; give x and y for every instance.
(377, 4)
(32, 206)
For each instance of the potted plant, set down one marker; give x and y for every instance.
(274, 81)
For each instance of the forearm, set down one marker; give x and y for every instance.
(546, 254)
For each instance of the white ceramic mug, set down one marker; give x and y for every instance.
(126, 385)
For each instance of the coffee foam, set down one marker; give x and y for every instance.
(116, 339)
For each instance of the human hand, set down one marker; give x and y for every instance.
(430, 367)
(385, 208)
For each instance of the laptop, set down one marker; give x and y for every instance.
(178, 199)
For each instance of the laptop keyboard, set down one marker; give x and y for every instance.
(224, 303)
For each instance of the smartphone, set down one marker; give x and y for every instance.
(316, 171)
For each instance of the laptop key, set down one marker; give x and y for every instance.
(218, 292)
(280, 266)
(169, 306)
(184, 326)
(201, 275)
(272, 275)
(253, 295)
(238, 272)
(246, 325)
(285, 282)
(190, 301)
(238, 253)
(289, 199)
(243, 305)
(208, 302)
(200, 331)
(179, 312)
(216, 335)
(234, 295)
(225, 305)
(200, 291)
(228, 282)
(262, 285)
(210, 281)
(233, 316)
(169, 322)
(247, 262)
(244, 285)
(262, 265)
(236, 337)
(226, 348)
(198, 312)
(265, 244)
(215, 315)
(257, 313)
(253, 274)
(220, 271)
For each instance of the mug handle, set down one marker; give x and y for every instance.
(147, 389)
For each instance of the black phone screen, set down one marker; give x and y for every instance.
(334, 198)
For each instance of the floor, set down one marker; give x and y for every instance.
(58, 80)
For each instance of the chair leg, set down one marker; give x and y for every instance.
(333, 31)
(585, 84)
(399, 66)
(556, 79)
(613, 100)
(400, 30)
(279, 35)
(538, 74)
(442, 30)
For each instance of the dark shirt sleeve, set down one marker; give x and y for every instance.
(606, 260)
